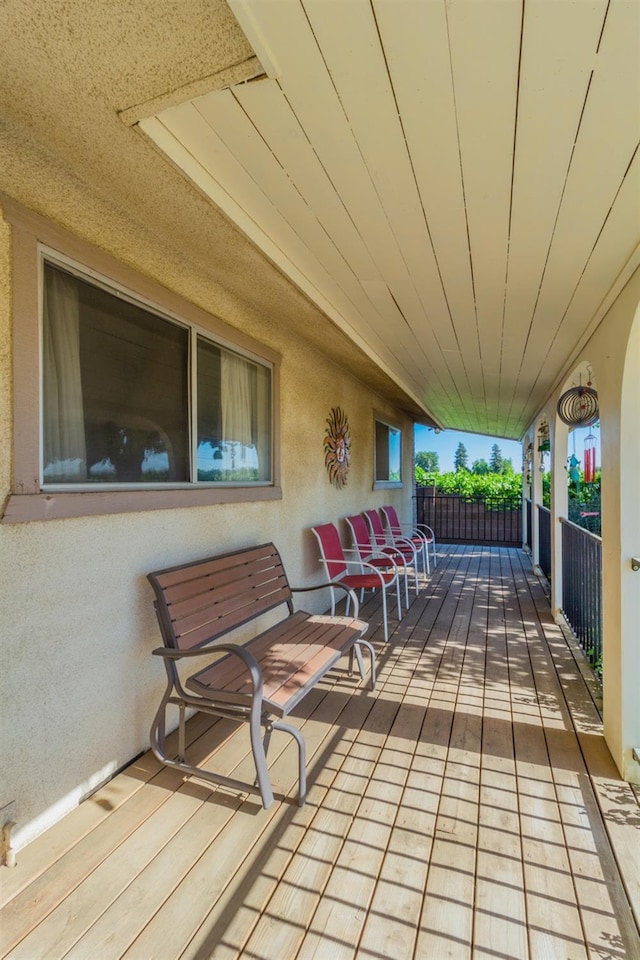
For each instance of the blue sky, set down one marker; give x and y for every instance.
(445, 444)
(478, 446)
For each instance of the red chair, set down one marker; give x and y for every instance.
(369, 577)
(421, 535)
(383, 540)
(384, 559)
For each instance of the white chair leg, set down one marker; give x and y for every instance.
(384, 614)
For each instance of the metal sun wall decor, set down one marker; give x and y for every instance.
(337, 447)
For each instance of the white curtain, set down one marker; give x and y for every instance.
(246, 411)
(65, 456)
(236, 399)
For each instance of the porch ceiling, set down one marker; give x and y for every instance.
(455, 184)
(442, 195)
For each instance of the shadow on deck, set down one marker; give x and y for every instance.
(468, 807)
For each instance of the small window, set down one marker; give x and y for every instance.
(118, 403)
(388, 454)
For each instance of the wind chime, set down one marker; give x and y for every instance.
(578, 406)
(589, 458)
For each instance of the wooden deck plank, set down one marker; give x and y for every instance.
(465, 808)
(446, 924)
(604, 908)
(500, 925)
(283, 923)
(39, 856)
(290, 935)
(390, 656)
(232, 921)
(156, 881)
(553, 919)
(178, 916)
(392, 932)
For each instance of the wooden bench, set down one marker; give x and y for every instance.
(260, 680)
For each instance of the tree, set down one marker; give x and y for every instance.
(496, 462)
(428, 460)
(461, 458)
(480, 467)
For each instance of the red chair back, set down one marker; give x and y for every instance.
(360, 533)
(392, 521)
(331, 550)
(375, 525)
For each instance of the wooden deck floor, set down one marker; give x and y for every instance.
(466, 808)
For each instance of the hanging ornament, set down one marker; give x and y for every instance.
(589, 458)
(578, 406)
(574, 471)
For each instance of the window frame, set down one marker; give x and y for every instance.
(385, 421)
(35, 240)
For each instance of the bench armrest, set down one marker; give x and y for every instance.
(333, 583)
(237, 649)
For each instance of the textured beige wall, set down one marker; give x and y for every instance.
(613, 353)
(79, 686)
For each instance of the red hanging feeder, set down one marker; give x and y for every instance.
(589, 458)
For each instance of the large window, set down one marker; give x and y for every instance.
(388, 454)
(132, 397)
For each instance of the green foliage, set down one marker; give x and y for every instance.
(461, 458)
(471, 485)
(428, 460)
(480, 467)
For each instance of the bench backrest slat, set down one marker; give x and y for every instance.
(201, 601)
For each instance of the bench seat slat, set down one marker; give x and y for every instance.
(289, 662)
(297, 632)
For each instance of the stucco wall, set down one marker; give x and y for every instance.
(613, 353)
(78, 687)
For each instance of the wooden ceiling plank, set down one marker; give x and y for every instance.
(383, 153)
(484, 41)
(236, 129)
(190, 128)
(621, 231)
(350, 43)
(269, 110)
(415, 42)
(349, 40)
(564, 37)
(611, 117)
(385, 305)
(309, 90)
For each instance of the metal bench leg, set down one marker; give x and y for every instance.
(157, 735)
(372, 654)
(302, 763)
(260, 759)
(182, 735)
